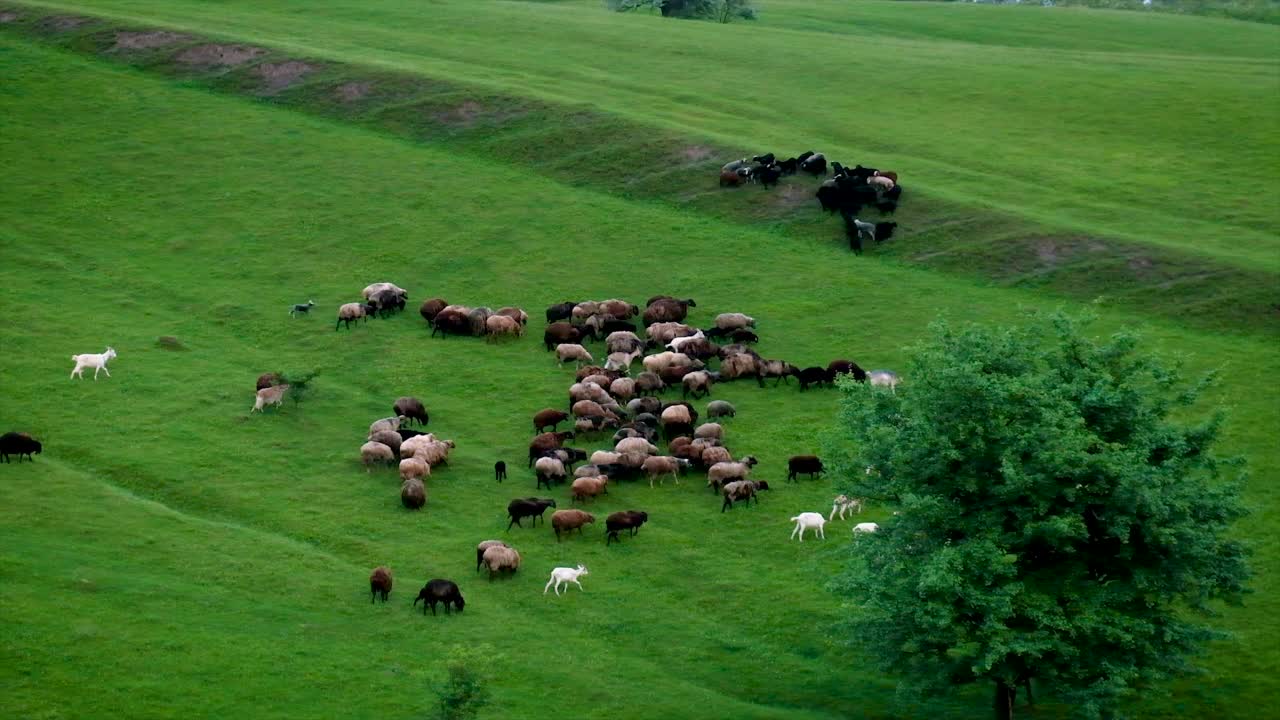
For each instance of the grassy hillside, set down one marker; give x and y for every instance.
(168, 545)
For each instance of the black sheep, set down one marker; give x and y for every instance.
(846, 367)
(768, 175)
(16, 443)
(406, 434)
(766, 159)
(380, 583)
(815, 165)
(623, 520)
(560, 332)
(884, 230)
(500, 470)
(412, 408)
(527, 507)
(560, 311)
(440, 591)
(450, 322)
(807, 464)
(788, 166)
(744, 336)
(813, 376)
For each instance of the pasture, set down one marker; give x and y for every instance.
(170, 550)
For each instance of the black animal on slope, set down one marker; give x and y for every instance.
(789, 166)
(560, 311)
(380, 583)
(16, 443)
(814, 376)
(528, 507)
(766, 159)
(500, 470)
(808, 464)
(846, 367)
(815, 165)
(624, 520)
(440, 591)
(768, 175)
(884, 230)
(560, 332)
(412, 408)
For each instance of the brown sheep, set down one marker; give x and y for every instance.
(724, 472)
(713, 455)
(665, 311)
(546, 441)
(558, 333)
(570, 351)
(734, 321)
(587, 391)
(548, 417)
(516, 314)
(676, 414)
(635, 444)
(697, 383)
(663, 333)
(413, 494)
(738, 366)
(267, 380)
(587, 408)
(709, 430)
(485, 545)
(659, 466)
(586, 487)
(570, 520)
(587, 371)
(497, 326)
(431, 308)
(411, 408)
(620, 309)
(648, 383)
(380, 583)
(414, 468)
(501, 558)
(623, 389)
(372, 453)
(388, 438)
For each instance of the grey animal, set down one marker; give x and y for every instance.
(303, 308)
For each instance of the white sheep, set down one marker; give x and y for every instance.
(375, 452)
(564, 576)
(273, 395)
(570, 351)
(97, 362)
(865, 527)
(808, 521)
(734, 321)
(883, 378)
(843, 504)
(677, 343)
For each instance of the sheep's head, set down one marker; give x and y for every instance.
(762, 485)
(111, 352)
(750, 461)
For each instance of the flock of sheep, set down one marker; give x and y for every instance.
(848, 190)
(603, 398)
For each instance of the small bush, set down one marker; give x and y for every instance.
(464, 689)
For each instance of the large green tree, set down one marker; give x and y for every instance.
(1061, 517)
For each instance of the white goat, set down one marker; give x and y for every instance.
(97, 362)
(843, 504)
(865, 527)
(883, 378)
(564, 575)
(806, 521)
(680, 342)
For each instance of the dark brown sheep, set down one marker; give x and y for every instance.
(559, 333)
(431, 308)
(566, 521)
(847, 367)
(266, 380)
(666, 311)
(548, 418)
(412, 409)
(380, 583)
(451, 322)
(413, 494)
(623, 520)
(533, 507)
(808, 464)
(19, 443)
(546, 441)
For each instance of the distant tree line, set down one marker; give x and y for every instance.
(718, 10)
(1265, 11)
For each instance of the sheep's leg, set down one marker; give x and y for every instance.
(575, 582)
(548, 587)
(795, 530)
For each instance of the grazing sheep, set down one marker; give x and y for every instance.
(546, 441)
(719, 409)
(501, 558)
(709, 431)
(548, 469)
(269, 396)
(560, 311)
(558, 333)
(413, 494)
(428, 449)
(585, 487)
(548, 418)
(846, 367)
(644, 405)
(430, 308)
(807, 464)
(868, 527)
(808, 521)
(815, 165)
(623, 389)
(713, 455)
(378, 287)
(744, 336)
(452, 320)
(622, 341)
(90, 360)
(351, 312)
(387, 302)
(566, 521)
(623, 520)
(734, 321)
(677, 414)
(723, 472)
(440, 591)
(883, 378)
(648, 383)
(570, 351)
(604, 457)
(659, 466)
(635, 444)
(414, 468)
(666, 309)
(814, 376)
(621, 361)
(266, 380)
(742, 491)
(411, 408)
(664, 332)
(392, 424)
(843, 504)
(380, 583)
(516, 314)
(497, 326)
(620, 309)
(527, 507)
(564, 576)
(588, 391)
(18, 443)
(389, 438)
(767, 175)
(375, 452)
(485, 545)
(301, 308)
(500, 471)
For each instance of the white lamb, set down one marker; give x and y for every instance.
(677, 343)
(843, 504)
(97, 362)
(883, 378)
(564, 576)
(808, 521)
(865, 527)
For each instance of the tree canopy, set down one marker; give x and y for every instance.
(1057, 520)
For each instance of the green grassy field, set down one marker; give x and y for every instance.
(170, 553)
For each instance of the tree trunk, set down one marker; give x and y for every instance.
(1004, 701)
(1027, 684)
